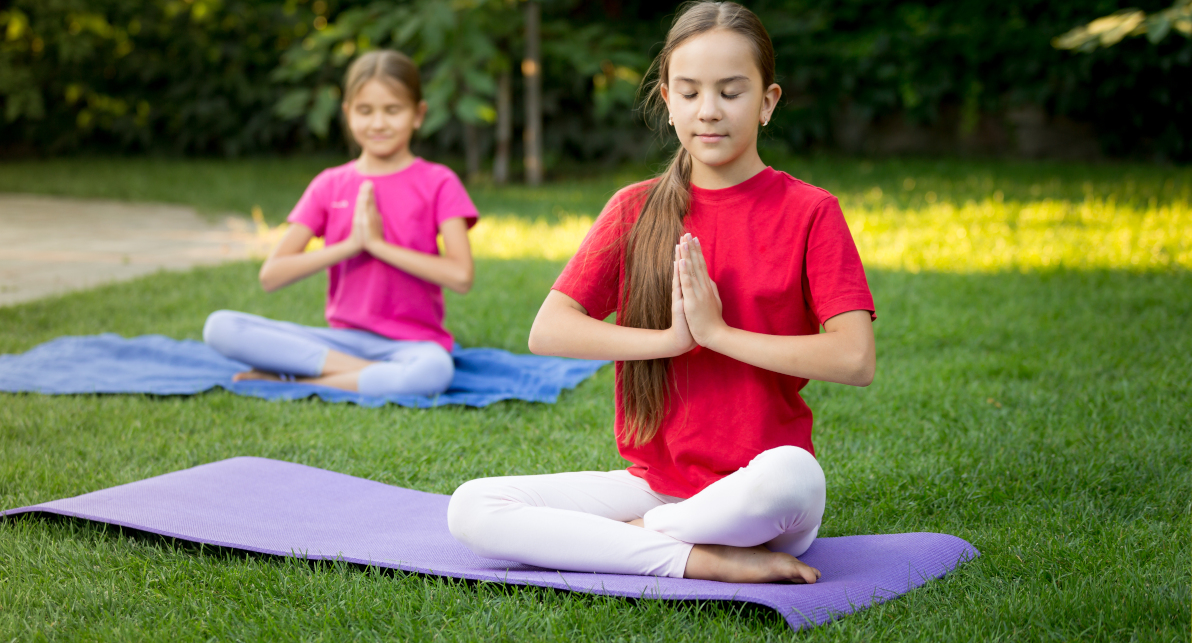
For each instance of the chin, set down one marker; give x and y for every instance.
(383, 152)
(714, 160)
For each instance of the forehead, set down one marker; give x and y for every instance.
(382, 90)
(713, 56)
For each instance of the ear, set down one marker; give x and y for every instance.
(420, 114)
(346, 107)
(664, 91)
(770, 101)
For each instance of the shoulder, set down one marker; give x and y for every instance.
(626, 203)
(333, 177)
(795, 192)
(436, 174)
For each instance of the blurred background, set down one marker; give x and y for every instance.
(232, 78)
(968, 136)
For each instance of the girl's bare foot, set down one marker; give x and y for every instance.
(254, 374)
(747, 565)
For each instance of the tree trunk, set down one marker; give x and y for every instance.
(532, 70)
(472, 151)
(504, 127)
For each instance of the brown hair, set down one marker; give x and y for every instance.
(390, 67)
(646, 298)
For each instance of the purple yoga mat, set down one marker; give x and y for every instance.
(287, 509)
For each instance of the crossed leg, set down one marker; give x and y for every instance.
(746, 528)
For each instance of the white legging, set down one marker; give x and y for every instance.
(577, 521)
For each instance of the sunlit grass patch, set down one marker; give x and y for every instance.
(974, 236)
(991, 235)
(511, 237)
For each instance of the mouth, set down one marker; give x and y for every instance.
(711, 138)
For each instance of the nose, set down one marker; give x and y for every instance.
(709, 107)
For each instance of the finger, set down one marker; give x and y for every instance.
(675, 286)
(685, 277)
(693, 263)
(702, 264)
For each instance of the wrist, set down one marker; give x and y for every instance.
(375, 243)
(673, 343)
(714, 340)
(347, 248)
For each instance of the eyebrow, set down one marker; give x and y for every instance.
(722, 81)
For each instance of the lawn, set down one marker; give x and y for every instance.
(1041, 410)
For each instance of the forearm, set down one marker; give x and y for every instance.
(829, 357)
(449, 272)
(563, 331)
(283, 270)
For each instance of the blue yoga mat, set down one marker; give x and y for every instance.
(160, 365)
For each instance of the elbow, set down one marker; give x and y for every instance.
(461, 286)
(540, 341)
(535, 344)
(267, 279)
(461, 283)
(864, 370)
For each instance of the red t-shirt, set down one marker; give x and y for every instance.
(783, 260)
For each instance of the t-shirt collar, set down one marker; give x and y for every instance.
(735, 191)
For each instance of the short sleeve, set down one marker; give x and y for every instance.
(452, 201)
(311, 209)
(593, 276)
(835, 277)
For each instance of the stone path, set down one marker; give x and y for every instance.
(51, 245)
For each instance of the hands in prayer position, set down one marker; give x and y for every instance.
(290, 262)
(367, 228)
(698, 304)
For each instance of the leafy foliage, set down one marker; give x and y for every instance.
(923, 60)
(184, 76)
(237, 76)
(1110, 30)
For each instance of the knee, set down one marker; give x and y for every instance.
(789, 480)
(220, 329)
(421, 372)
(423, 369)
(467, 511)
(436, 368)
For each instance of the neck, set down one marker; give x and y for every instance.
(736, 171)
(370, 164)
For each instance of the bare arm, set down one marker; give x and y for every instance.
(289, 262)
(564, 328)
(452, 270)
(844, 354)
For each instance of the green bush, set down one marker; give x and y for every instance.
(976, 56)
(181, 76)
(198, 76)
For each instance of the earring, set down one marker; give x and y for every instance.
(765, 122)
(670, 119)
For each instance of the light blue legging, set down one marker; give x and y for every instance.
(402, 368)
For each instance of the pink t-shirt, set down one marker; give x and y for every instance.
(367, 293)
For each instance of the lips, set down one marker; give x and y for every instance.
(710, 137)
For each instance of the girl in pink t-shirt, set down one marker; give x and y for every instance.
(721, 272)
(379, 216)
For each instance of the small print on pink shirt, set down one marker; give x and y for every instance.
(367, 293)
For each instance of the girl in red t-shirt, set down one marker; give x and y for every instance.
(715, 336)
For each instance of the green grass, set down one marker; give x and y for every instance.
(221, 186)
(1043, 416)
